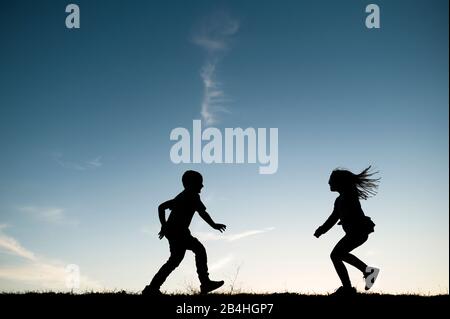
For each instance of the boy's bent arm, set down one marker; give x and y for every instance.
(162, 216)
(162, 211)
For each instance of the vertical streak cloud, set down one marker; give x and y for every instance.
(214, 37)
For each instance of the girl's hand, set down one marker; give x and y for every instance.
(318, 232)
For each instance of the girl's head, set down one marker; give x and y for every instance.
(344, 181)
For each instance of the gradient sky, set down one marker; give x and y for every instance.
(85, 118)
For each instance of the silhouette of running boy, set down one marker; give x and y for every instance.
(176, 230)
(357, 226)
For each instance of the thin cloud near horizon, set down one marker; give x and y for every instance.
(232, 237)
(37, 270)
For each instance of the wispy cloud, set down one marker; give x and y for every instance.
(221, 263)
(213, 96)
(232, 237)
(37, 270)
(11, 246)
(93, 163)
(53, 215)
(215, 32)
(214, 36)
(249, 233)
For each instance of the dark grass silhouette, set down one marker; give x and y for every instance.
(285, 305)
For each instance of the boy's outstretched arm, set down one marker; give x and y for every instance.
(203, 214)
(162, 216)
(330, 222)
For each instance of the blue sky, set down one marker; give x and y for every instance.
(86, 116)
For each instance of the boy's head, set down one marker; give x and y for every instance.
(192, 181)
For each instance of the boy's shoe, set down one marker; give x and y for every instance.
(344, 292)
(210, 285)
(151, 291)
(370, 275)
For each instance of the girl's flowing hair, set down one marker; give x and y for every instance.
(363, 184)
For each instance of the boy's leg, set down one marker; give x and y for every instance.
(201, 259)
(177, 252)
(199, 250)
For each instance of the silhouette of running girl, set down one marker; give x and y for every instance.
(357, 227)
(176, 230)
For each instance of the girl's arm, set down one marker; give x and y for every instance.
(330, 222)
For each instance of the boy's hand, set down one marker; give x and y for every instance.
(162, 232)
(220, 227)
(318, 232)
